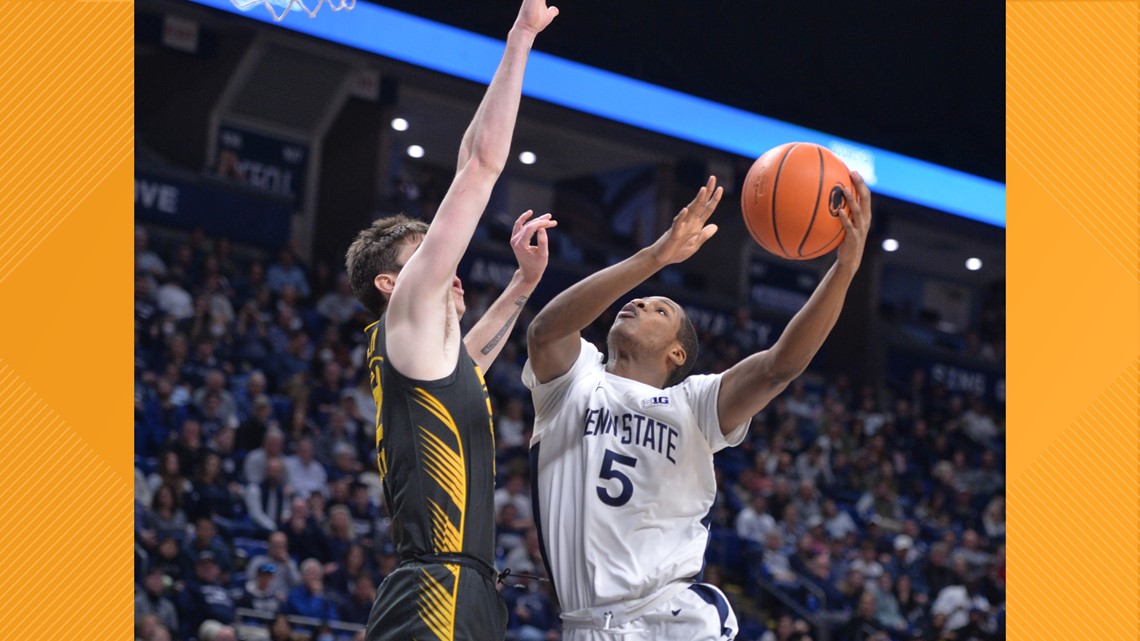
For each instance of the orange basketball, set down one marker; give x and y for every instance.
(791, 200)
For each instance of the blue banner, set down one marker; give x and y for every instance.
(220, 209)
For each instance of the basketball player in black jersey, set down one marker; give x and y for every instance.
(435, 445)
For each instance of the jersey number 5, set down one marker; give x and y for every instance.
(608, 472)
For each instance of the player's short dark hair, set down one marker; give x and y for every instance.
(687, 335)
(374, 251)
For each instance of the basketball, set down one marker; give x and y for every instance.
(791, 200)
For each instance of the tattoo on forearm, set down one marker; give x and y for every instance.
(506, 328)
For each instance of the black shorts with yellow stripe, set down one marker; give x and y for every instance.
(437, 601)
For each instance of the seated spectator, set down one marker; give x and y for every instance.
(286, 271)
(215, 387)
(358, 606)
(955, 602)
(363, 510)
(212, 493)
(339, 305)
(151, 599)
(882, 507)
(273, 446)
(993, 519)
(820, 577)
(285, 576)
(510, 530)
(205, 539)
(912, 604)
(514, 492)
(305, 473)
(837, 522)
(251, 432)
(268, 502)
(258, 593)
(867, 563)
(863, 625)
(166, 517)
(308, 599)
(775, 560)
(339, 533)
(340, 582)
(304, 534)
(510, 426)
(888, 614)
(205, 598)
(753, 523)
(531, 611)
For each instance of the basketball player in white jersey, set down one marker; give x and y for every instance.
(622, 452)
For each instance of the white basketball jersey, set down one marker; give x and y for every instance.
(624, 480)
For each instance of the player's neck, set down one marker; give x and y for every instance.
(641, 370)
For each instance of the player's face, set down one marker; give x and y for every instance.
(408, 249)
(650, 323)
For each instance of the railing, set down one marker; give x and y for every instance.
(339, 628)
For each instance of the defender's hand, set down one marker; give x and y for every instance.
(532, 258)
(534, 16)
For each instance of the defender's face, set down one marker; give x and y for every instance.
(408, 248)
(652, 322)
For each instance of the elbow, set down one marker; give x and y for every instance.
(482, 161)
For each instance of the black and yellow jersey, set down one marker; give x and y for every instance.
(436, 452)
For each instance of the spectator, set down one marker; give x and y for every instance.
(753, 523)
(212, 493)
(251, 432)
(340, 581)
(216, 386)
(267, 502)
(255, 385)
(887, 612)
(286, 272)
(867, 564)
(280, 630)
(308, 599)
(359, 603)
(306, 474)
(837, 522)
(205, 539)
(363, 510)
(863, 625)
(340, 532)
(258, 593)
(286, 576)
(955, 602)
(273, 446)
(514, 492)
(166, 517)
(510, 426)
(303, 532)
(151, 600)
(775, 561)
(339, 305)
(204, 597)
(532, 615)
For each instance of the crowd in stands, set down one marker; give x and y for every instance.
(852, 512)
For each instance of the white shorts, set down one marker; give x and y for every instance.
(698, 613)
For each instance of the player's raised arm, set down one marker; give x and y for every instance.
(553, 337)
(750, 384)
(418, 322)
(486, 338)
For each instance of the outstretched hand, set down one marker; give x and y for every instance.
(856, 219)
(532, 258)
(689, 230)
(534, 16)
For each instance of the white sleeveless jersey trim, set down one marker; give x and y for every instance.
(625, 477)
